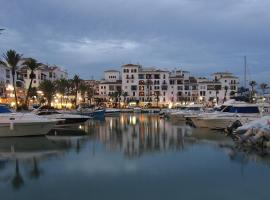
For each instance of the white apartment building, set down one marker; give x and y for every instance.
(6, 82)
(146, 85)
(44, 72)
(155, 86)
(110, 84)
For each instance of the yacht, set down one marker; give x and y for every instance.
(63, 118)
(112, 112)
(189, 110)
(228, 113)
(90, 110)
(23, 124)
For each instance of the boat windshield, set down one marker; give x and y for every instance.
(194, 108)
(48, 112)
(4, 109)
(241, 109)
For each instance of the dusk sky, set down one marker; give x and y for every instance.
(89, 36)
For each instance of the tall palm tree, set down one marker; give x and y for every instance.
(90, 93)
(61, 87)
(48, 88)
(76, 81)
(217, 88)
(83, 89)
(252, 84)
(32, 65)
(264, 86)
(124, 94)
(225, 94)
(12, 60)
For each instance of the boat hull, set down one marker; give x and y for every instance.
(25, 129)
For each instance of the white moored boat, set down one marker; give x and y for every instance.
(190, 110)
(23, 124)
(230, 112)
(63, 118)
(112, 112)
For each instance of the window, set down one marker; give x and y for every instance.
(141, 76)
(164, 76)
(134, 87)
(156, 76)
(111, 87)
(179, 82)
(148, 76)
(171, 82)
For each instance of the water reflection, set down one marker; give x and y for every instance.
(126, 141)
(135, 135)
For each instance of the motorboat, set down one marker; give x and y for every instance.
(90, 110)
(190, 110)
(112, 112)
(23, 124)
(137, 109)
(64, 118)
(228, 113)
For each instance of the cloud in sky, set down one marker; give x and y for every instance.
(87, 37)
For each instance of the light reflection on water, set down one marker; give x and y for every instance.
(131, 157)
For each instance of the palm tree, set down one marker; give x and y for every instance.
(264, 86)
(217, 88)
(61, 87)
(32, 65)
(48, 88)
(33, 92)
(12, 61)
(252, 84)
(83, 89)
(90, 93)
(124, 94)
(242, 90)
(76, 82)
(225, 94)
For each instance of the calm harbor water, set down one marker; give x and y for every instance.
(131, 157)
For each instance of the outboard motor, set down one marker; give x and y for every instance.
(234, 126)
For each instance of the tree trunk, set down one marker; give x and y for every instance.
(15, 93)
(76, 95)
(28, 92)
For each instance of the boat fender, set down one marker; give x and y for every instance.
(11, 125)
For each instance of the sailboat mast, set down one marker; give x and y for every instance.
(245, 75)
